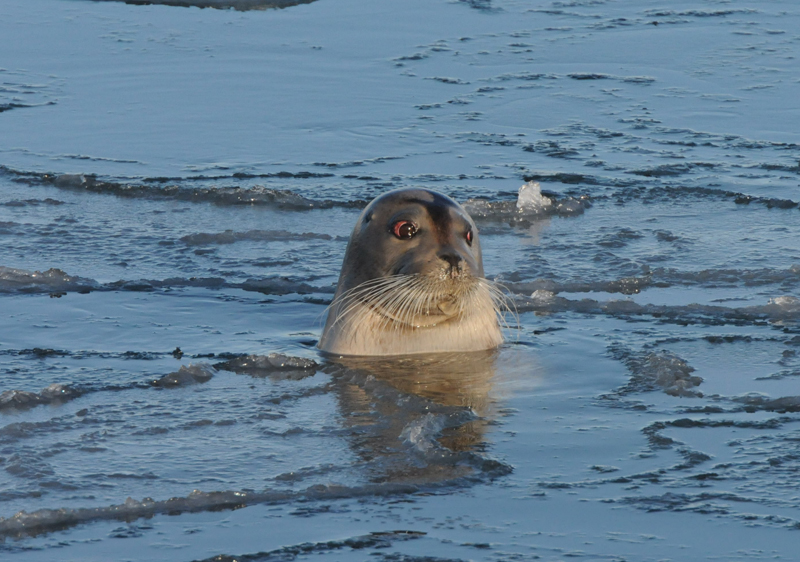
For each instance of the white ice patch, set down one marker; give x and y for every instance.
(542, 297)
(530, 204)
(785, 304)
(530, 199)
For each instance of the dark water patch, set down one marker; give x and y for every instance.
(672, 192)
(32, 203)
(415, 56)
(571, 179)
(43, 353)
(491, 139)
(780, 375)
(17, 431)
(239, 176)
(721, 504)
(726, 140)
(231, 237)
(356, 163)
(352, 546)
(619, 238)
(672, 170)
(239, 5)
(552, 149)
(705, 502)
(10, 106)
(524, 76)
(556, 11)
(481, 5)
(447, 80)
(700, 13)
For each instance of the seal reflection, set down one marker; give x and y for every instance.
(418, 419)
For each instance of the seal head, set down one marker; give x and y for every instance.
(412, 281)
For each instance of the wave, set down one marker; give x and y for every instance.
(375, 540)
(57, 282)
(782, 308)
(663, 278)
(256, 195)
(231, 237)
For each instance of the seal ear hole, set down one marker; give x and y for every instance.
(404, 230)
(368, 218)
(468, 237)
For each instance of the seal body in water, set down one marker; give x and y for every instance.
(412, 281)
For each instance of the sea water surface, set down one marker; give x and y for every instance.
(177, 184)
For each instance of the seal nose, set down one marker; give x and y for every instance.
(452, 258)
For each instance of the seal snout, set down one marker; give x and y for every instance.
(454, 263)
(452, 258)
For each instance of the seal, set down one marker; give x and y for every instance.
(412, 282)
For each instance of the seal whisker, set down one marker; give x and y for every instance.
(365, 293)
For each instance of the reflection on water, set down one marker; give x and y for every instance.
(241, 5)
(417, 418)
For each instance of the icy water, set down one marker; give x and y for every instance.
(177, 186)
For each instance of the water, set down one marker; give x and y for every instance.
(177, 186)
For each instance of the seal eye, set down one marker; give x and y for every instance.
(468, 236)
(404, 230)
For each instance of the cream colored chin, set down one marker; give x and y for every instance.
(476, 329)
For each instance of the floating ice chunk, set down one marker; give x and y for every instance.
(787, 303)
(58, 392)
(530, 203)
(762, 402)
(52, 280)
(570, 206)
(281, 361)
(22, 399)
(662, 370)
(530, 199)
(70, 180)
(186, 375)
(542, 297)
(272, 365)
(19, 399)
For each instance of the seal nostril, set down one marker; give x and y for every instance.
(453, 259)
